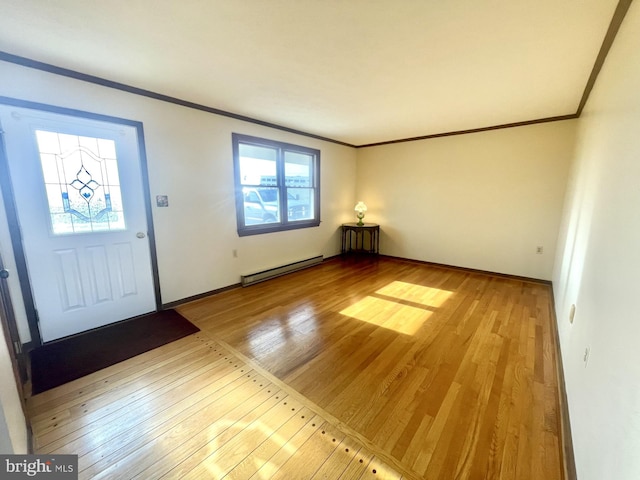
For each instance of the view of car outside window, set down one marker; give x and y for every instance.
(262, 196)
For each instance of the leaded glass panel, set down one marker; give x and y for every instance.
(81, 182)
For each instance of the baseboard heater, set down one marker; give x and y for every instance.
(277, 271)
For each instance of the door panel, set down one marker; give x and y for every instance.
(125, 264)
(99, 274)
(69, 280)
(81, 208)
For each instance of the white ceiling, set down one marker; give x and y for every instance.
(357, 71)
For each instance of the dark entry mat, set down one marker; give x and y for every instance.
(60, 362)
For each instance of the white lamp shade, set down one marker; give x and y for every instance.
(360, 207)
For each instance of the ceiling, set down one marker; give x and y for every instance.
(356, 71)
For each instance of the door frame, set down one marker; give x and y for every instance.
(11, 335)
(12, 212)
(16, 352)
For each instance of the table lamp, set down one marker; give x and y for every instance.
(360, 208)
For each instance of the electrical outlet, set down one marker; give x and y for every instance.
(235, 253)
(539, 250)
(572, 313)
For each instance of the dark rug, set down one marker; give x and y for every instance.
(56, 363)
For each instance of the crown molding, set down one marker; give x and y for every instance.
(65, 72)
(612, 31)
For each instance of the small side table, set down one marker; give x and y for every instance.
(353, 238)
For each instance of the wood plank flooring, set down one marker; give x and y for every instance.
(408, 370)
(451, 373)
(194, 409)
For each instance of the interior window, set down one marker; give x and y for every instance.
(277, 185)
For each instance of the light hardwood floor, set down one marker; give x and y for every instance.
(420, 371)
(195, 409)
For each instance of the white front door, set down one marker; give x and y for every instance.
(79, 195)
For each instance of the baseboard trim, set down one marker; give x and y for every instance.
(471, 270)
(30, 439)
(177, 303)
(568, 457)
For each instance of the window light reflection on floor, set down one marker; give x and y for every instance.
(399, 306)
(427, 296)
(231, 446)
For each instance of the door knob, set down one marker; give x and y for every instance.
(4, 273)
(140, 235)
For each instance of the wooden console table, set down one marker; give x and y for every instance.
(353, 238)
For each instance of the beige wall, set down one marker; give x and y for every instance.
(598, 267)
(484, 200)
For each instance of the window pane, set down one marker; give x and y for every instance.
(81, 181)
(300, 204)
(49, 168)
(298, 169)
(261, 206)
(276, 185)
(257, 165)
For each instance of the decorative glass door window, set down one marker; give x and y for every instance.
(82, 183)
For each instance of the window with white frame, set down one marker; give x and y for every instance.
(277, 185)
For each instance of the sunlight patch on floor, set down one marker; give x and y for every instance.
(427, 296)
(385, 313)
(396, 315)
